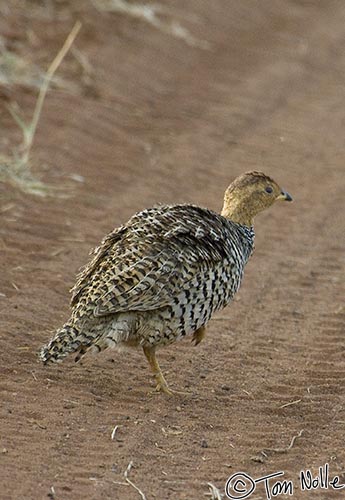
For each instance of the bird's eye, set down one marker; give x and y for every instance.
(269, 189)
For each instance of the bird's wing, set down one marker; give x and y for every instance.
(145, 264)
(99, 254)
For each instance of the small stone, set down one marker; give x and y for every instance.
(204, 443)
(225, 387)
(68, 406)
(178, 408)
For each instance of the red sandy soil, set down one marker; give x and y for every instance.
(159, 118)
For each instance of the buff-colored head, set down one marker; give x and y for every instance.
(249, 194)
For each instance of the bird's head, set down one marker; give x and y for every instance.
(249, 194)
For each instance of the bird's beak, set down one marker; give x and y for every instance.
(284, 195)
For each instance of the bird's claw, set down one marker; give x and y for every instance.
(167, 390)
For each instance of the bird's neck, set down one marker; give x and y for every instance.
(238, 212)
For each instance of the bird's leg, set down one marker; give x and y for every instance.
(198, 335)
(150, 353)
(162, 385)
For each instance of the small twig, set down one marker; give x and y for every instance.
(127, 471)
(159, 448)
(171, 432)
(263, 456)
(51, 494)
(285, 450)
(216, 494)
(114, 432)
(292, 403)
(34, 421)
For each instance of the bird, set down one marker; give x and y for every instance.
(160, 277)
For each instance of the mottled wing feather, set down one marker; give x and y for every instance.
(139, 286)
(100, 254)
(159, 252)
(150, 286)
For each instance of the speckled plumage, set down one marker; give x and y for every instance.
(155, 279)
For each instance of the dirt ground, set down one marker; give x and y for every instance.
(171, 108)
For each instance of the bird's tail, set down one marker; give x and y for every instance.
(66, 340)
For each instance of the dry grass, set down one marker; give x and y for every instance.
(214, 492)
(129, 482)
(15, 70)
(44, 10)
(127, 471)
(154, 14)
(16, 169)
(19, 70)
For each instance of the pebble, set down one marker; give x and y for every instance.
(225, 388)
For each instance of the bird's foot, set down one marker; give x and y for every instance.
(162, 386)
(169, 392)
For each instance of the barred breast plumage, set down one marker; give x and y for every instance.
(155, 279)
